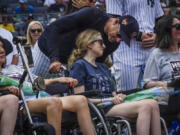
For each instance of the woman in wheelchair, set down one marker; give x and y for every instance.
(8, 105)
(163, 64)
(93, 75)
(51, 106)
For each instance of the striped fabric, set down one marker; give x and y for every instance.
(128, 60)
(41, 64)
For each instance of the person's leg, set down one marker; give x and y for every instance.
(8, 109)
(52, 107)
(155, 119)
(79, 105)
(142, 110)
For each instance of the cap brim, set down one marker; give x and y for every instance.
(125, 38)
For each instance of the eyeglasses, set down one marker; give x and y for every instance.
(36, 30)
(100, 41)
(177, 26)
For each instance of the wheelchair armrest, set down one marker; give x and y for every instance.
(127, 92)
(4, 92)
(90, 93)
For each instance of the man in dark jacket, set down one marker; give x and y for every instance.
(58, 40)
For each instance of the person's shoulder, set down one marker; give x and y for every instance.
(17, 9)
(4, 33)
(29, 6)
(156, 51)
(89, 9)
(79, 62)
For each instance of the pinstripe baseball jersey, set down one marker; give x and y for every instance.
(41, 64)
(145, 11)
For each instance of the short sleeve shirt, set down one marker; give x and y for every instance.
(162, 66)
(92, 77)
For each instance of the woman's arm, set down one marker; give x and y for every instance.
(14, 90)
(81, 89)
(117, 99)
(151, 84)
(72, 82)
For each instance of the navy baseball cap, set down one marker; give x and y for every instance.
(128, 25)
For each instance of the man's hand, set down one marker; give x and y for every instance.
(55, 67)
(80, 3)
(72, 82)
(148, 40)
(14, 90)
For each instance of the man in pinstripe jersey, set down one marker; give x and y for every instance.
(128, 60)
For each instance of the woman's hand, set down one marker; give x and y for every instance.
(72, 82)
(118, 98)
(14, 90)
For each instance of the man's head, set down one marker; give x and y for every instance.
(23, 4)
(5, 20)
(124, 29)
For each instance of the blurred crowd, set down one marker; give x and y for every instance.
(15, 15)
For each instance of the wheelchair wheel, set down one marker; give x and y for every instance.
(40, 126)
(98, 120)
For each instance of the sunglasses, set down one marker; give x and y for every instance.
(119, 35)
(36, 30)
(177, 26)
(101, 1)
(100, 41)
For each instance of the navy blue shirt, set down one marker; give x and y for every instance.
(92, 77)
(58, 39)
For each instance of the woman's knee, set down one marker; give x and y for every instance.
(12, 101)
(81, 101)
(56, 102)
(150, 105)
(154, 105)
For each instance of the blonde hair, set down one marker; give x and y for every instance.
(29, 38)
(82, 41)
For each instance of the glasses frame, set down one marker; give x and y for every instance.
(177, 26)
(100, 41)
(36, 30)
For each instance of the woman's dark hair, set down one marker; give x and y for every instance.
(3, 42)
(163, 31)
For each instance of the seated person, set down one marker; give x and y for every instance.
(8, 109)
(164, 62)
(48, 3)
(6, 24)
(24, 7)
(94, 75)
(51, 106)
(59, 7)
